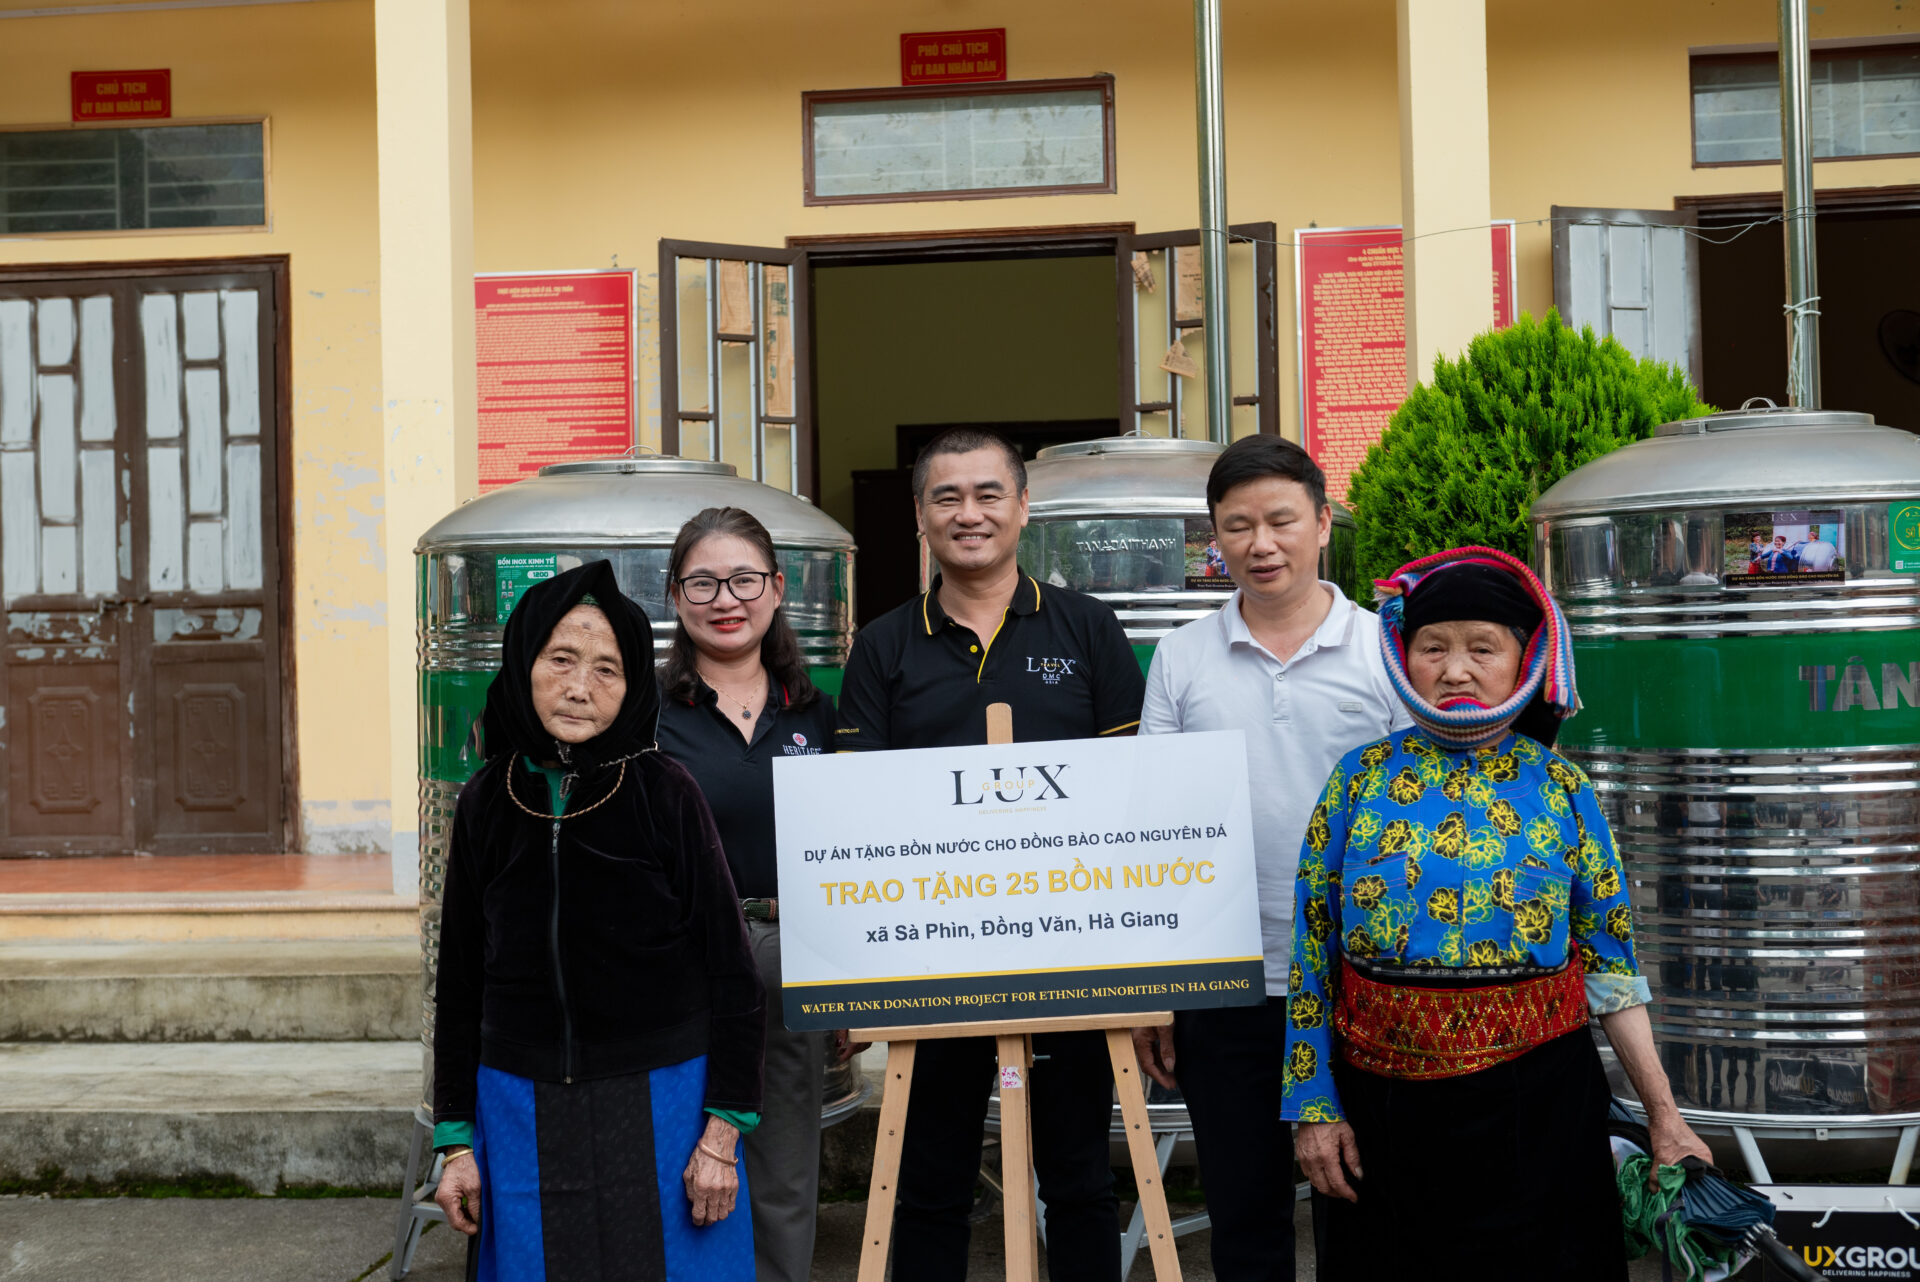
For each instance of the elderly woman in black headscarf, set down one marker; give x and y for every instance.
(597, 1045)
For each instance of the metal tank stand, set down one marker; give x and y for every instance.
(417, 1207)
(1747, 1130)
(1171, 1128)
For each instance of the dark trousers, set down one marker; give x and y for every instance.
(1071, 1106)
(1231, 1065)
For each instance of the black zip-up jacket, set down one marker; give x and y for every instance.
(570, 950)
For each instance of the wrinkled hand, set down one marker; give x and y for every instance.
(458, 1193)
(1672, 1140)
(844, 1047)
(712, 1184)
(1154, 1047)
(1328, 1152)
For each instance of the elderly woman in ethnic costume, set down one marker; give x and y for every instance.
(1461, 913)
(598, 1040)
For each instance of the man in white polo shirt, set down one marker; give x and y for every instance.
(1296, 665)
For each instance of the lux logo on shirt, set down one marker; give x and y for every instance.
(1050, 670)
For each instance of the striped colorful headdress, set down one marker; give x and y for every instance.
(1546, 667)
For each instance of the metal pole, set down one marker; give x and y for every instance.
(1796, 160)
(1211, 116)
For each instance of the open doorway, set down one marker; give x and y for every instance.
(1022, 345)
(822, 366)
(1869, 284)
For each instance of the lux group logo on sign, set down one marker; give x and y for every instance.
(1850, 1243)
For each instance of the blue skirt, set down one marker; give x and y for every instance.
(582, 1182)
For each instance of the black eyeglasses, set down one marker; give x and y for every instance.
(699, 589)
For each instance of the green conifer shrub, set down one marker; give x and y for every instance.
(1464, 457)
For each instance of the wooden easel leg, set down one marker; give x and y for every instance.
(886, 1162)
(1146, 1163)
(1016, 1157)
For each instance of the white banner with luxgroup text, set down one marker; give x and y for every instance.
(1017, 881)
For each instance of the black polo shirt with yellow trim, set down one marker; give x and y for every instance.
(918, 679)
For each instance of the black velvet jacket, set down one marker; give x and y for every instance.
(605, 943)
(653, 965)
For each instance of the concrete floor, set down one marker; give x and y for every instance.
(347, 1239)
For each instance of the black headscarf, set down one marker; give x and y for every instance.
(1467, 590)
(513, 726)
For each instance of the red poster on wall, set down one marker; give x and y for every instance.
(122, 95)
(953, 57)
(556, 370)
(1351, 308)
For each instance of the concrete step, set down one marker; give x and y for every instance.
(202, 917)
(298, 990)
(269, 1114)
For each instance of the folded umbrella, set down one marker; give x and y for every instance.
(1702, 1221)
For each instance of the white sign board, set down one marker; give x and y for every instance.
(1016, 881)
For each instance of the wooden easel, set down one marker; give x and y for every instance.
(1015, 1042)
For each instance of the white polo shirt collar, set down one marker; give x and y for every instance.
(1335, 629)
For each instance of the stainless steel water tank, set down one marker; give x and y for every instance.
(1125, 518)
(475, 561)
(1742, 590)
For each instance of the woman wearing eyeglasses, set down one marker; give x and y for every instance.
(735, 695)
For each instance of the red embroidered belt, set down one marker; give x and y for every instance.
(1398, 1031)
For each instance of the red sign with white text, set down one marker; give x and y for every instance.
(953, 57)
(122, 95)
(1353, 337)
(556, 370)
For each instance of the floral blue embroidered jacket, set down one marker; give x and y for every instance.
(1423, 857)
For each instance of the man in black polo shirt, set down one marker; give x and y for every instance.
(921, 676)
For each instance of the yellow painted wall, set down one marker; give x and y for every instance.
(684, 121)
(1009, 340)
(310, 68)
(602, 126)
(1590, 105)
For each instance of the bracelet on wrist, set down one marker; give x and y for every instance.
(730, 1161)
(460, 1150)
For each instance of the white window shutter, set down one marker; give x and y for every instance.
(1634, 274)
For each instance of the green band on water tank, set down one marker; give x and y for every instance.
(1813, 690)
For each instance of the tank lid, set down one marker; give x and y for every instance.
(627, 501)
(1761, 453)
(1123, 477)
(1133, 445)
(1761, 412)
(631, 464)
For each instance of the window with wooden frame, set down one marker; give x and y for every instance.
(733, 370)
(1163, 345)
(1866, 103)
(110, 178)
(1021, 138)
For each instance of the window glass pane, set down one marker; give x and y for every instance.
(131, 179)
(887, 146)
(1864, 104)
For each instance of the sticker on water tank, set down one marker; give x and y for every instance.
(1903, 536)
(1206, 565)
(1795, 548)
(513, 575)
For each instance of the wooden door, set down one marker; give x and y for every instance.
(140, 563)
